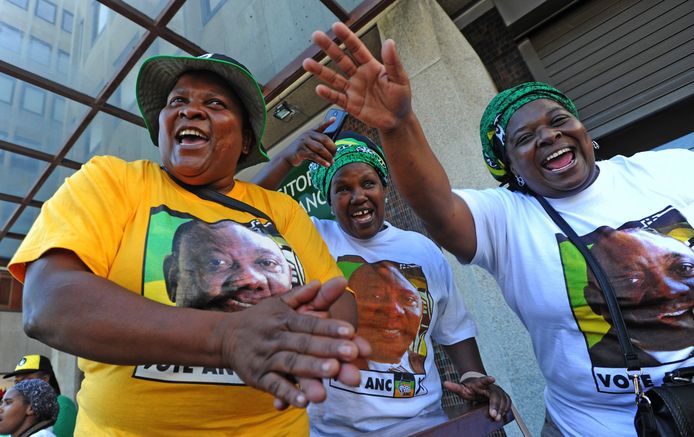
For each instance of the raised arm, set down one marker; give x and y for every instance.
(311, 145)
(268, 345)
(379, 95)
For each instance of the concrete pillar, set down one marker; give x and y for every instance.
(451, 88)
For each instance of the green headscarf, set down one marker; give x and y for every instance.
(351, 147)
(499, 112)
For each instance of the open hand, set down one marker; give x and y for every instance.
(376, 93)
(271, 346)
(483, 388)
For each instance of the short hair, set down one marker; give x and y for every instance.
(41, 396)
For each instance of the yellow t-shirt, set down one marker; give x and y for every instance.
(120, 219)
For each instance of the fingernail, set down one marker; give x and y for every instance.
(345, 350)
(343, 330)
(301, 399)
(325, 367)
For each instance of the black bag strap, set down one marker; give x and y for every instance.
(214, 196)
(630, 357)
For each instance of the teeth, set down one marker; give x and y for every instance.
(192, 132)
(359, 213)
(557, 153)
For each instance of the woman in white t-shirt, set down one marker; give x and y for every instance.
(535, 144)
(404, 289)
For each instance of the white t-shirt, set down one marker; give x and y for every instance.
(544, 281)
(387, 396)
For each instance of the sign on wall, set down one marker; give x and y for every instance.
(298, 185)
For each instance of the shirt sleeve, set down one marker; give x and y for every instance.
(86, 215)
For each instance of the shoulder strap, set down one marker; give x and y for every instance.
(630, 357)
(214, 196)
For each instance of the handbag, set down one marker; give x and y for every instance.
(666, 410)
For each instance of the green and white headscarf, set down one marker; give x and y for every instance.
(351, 147)
(499, 112)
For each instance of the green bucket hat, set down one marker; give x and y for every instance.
(159, 74)
(498, 113)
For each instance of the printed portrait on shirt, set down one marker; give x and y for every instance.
(393, 306)
(217, 266)
(650, 264)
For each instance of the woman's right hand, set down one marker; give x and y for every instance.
(376, 93)
(285, 340)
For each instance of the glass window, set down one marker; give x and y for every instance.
(33, 99)
(91, 63)
(124, 97)
(54, 181)
(18, 173)
(151, 8)
(6, 88)
(280, 30)
(63, 62)
(10, 38)
(8, 246)
(40, 51)
(46, 10)
(210, 8)
(108, 135)
(349, 5)
(24, 4)
(22, 125)
(67, 22)
(6, 208)
(25, 220)
(100, 18)
(58, 108)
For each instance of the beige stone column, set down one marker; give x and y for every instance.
(451, 89)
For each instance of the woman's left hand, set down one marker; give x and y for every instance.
(483, 388)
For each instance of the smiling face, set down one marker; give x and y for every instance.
(357, 197)
(15, 413)
(202, 133)
(389, 309)
(550, 149)
(225, 267)
(653, 278)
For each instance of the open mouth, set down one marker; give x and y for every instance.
(363, 215)
(390, 333)
(559, 160)
(227, 304)
(191, 137)
(235, 305)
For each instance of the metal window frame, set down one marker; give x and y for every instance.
(154, 28)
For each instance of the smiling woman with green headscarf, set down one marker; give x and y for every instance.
(406, 297)
(533, 140)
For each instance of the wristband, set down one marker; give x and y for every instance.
(471, 374)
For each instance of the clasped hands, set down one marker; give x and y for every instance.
(285, 345)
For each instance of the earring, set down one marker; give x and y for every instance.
(520, 181)
(596, 146)
(386, 200)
